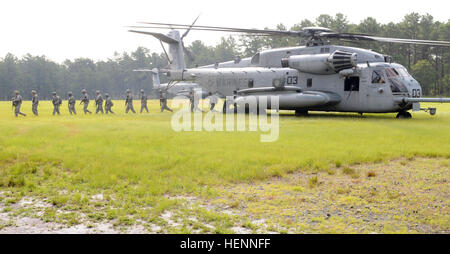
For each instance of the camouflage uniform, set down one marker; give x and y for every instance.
(191, 100)
(17, 103)
(85, 101)
(108, 104)
(71, 104)
(56, 103)
(35, 102)
(143, 101)
(99, 103)
(163, 101)
(213, 99)
(129, 102)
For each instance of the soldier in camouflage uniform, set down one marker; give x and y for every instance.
(85, 101)
(34, 102)
(213, 99)
(108, 104)
(71, 104)
(143, 101)
(129, 102)
(98, 102)
(193, 102)
(56, 100)
(163, 101)
(17, 103)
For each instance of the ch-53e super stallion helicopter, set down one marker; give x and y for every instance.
(315, 77)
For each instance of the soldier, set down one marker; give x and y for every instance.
(35, 102)
(85, 101)
(17, 103)
(193, 101)
(129, 102)
(213, 99)
(143, 101)
(71, 103)
(56, 100)
(108, 104)
(163, 101)
(98, 102)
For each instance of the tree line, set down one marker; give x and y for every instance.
(429, 65)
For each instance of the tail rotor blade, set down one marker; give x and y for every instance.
(190, 27)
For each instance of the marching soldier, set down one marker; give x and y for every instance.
(85, 101)
(129, 102)
(56, 100)
(143, 101)
(71, 103)
(108, 104)
(213, 99)
(163, 101)
(34, 102)
(98, 102)
(193, 101)
(17, 103)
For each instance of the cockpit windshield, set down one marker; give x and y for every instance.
(402, 72)
(391, 72)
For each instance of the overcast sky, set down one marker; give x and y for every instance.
(68, 29)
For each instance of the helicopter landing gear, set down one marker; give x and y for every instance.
(301, 112)
(404, 115)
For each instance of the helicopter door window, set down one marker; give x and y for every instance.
(377, 78)
(351, 84)
(250, 83)
(309, 82)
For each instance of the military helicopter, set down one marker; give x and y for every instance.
(314, 77)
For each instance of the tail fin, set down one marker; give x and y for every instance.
(175, 55)
(155, 78)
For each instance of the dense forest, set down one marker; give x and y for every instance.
(429, 65)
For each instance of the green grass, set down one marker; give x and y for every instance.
(138, 163)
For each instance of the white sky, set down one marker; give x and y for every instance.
(67, 29)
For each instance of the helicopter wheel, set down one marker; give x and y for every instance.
(404, 115)
(301, 112)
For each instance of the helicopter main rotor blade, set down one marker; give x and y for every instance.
(204, 29)
(360, 37)
(220, 29)
(306, 32)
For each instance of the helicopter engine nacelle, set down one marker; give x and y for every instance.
(321, 63)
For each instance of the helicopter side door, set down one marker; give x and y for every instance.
(351, 98)
(377, 95)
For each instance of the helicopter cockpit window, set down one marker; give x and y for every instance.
(391, 73)
(377, 77)
(402, 72)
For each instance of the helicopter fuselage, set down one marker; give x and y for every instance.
(369, 87)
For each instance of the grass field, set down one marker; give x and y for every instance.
(338, 173)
